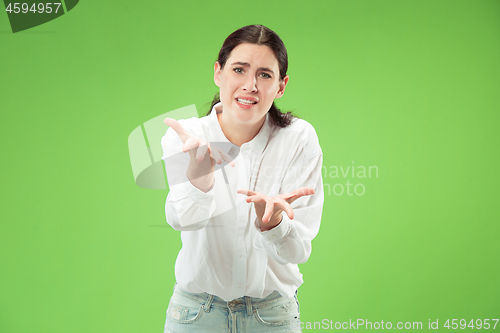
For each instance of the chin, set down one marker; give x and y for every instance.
(244, 114)
(246, 118)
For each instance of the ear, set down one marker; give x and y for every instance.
(217, 70)
(281, 90)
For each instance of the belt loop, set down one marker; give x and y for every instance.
(249, 305)
(208, 303)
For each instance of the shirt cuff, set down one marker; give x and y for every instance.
(278, 233)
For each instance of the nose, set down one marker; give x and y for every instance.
(250, 84)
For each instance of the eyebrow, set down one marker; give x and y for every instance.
(246, 64)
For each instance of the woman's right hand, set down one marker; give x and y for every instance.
(202, 155)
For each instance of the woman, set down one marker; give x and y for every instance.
(247, 195)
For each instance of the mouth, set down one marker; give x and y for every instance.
(246, 103)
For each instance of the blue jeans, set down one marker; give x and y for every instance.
(202, 312)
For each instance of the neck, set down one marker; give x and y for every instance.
(238, 133)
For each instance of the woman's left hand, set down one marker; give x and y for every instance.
(269, 209)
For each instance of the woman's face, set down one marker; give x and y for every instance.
(249, 83)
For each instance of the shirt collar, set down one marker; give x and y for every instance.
(256, 145)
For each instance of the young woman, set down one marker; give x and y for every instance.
(247, 195)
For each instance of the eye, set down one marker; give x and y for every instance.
(265, 75)
(238, 70)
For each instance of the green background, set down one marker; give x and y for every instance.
(411, 87)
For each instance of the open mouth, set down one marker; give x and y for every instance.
(246, 101)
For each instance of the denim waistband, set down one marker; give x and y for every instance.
(243, 303)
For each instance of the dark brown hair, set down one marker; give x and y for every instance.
(260, 35)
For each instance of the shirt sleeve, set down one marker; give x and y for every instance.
(186, 207)
(290, 241)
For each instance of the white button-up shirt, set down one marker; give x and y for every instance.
(224, 252)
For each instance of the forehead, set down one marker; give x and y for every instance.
(256, 55)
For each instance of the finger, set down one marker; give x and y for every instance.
(177, 127)
(306, 191)
(292, 196)
(287, 208)
(227, 158)
(299, 192)
(247, 192)
(257, 199)
(201, 152)
(268, 211)
(190, 143)
(215, 154)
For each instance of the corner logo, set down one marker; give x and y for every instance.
(149, 166)
(146, 152)
(28, 14)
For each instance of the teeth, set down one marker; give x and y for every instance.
(245, 101)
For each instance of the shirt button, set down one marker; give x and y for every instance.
(240, 285)
(240, 254)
